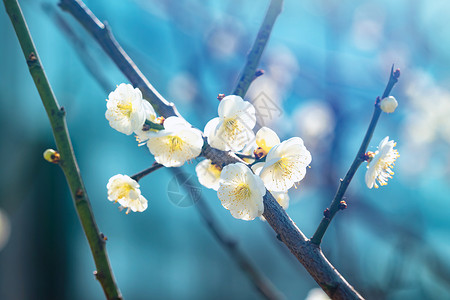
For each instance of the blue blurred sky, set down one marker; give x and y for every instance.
(325, 64)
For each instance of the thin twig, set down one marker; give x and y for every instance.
(359, 159)
(249, 73)
(68, 163)
(140, 175)
(308, 254)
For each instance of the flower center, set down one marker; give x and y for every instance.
(243, 191)
(231, 125)
(283, 165)
(215, 169)
(176, 143)
(124, 191)
(125, 109)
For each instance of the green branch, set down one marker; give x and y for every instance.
(249, 72)
(359, 159)
(309, 255)
(56, 115)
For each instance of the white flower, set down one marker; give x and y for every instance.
(127, 110)
(241, 192)
(379, 168)
(389, 104)
(285, 165)
(208, 174)
(176, 143)
(317, 294)
(125, 190)
(281, 197)
(266, 138)
(233, 129)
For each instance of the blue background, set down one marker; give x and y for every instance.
(325, 64)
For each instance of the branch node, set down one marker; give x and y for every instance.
(220, 97)
(342, 205)
(62, 111)
(326, 213)
(103, 237)
(259, 72)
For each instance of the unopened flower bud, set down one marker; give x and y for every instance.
(389, 104)
(52, 156)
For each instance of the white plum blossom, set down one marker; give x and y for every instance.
(233, 129)
(388, 104)
(281, 197)
(127, 110)
(265, 140)
(317, 294)
(208, 174)
(379, 167)
(125, 190)
(176, 143)
(285, 165)
(241, 192)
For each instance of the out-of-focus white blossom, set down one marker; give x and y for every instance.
(233, 129)
(127, 110)
(317, 294)
(125, 190)
(285, 165)
(241, 192)
(208, 174)
(5, 228)
(379, 168)
(176, 143)
(388, 104)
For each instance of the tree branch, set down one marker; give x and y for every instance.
(105, 38)
(249, 72)
(308, 254)
(359, 159)
(68, 163)
(153, 168)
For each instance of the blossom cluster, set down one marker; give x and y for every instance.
(172, 144)
(268, 164)
(275, 166)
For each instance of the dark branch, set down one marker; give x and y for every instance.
(359, 159)
(249, 73)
